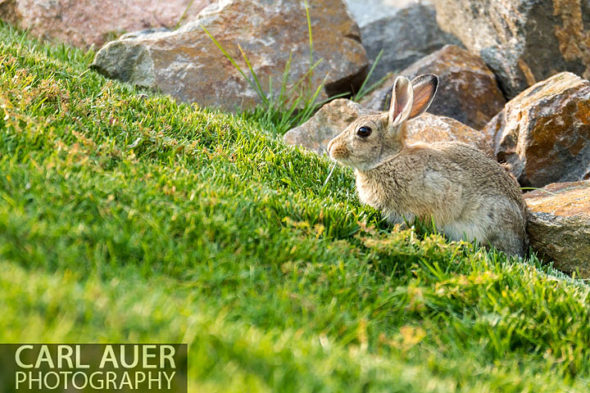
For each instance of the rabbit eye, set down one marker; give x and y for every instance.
(364, 132)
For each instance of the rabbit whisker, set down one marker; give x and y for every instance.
(328, 177)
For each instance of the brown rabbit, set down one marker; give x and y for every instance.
(466, 194)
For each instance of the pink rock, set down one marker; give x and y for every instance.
(83, 23)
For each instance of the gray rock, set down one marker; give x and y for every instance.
(188, 65)
(367, 11)
(522, 41)
(405, 37)
(559, 225)
(120, 56)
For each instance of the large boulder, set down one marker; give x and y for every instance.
(334, 117)
(84, 23)
(405, 37)
(189, 66)
(559, 225)
(467, 91)
(523, 41)
(544, 133)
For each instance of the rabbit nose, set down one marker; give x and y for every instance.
(337, 151)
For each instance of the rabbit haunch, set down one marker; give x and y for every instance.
(466, 194)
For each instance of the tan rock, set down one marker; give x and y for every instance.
(328, 122)
(543, 134)
(84, 23)
(431, 128)
(559, 225)
(187, 64)
(467, 91)
(334, 117)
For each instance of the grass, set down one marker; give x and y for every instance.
(365, 87)
(132, 218)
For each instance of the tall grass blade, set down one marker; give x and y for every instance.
(310, 34)
(184, 13)
(363, 90)
(227, 56)
(259, 88)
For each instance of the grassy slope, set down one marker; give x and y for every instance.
(125, 217)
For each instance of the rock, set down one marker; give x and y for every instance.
(83, 23)
(328, 122)
(430, 128)
(335, 116)
(189, 66)
(544, 133)
(367, 11)
(405, 37)
(559, 225)
(522, 41)
(467, 91)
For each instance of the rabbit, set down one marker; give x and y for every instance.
(466, 194)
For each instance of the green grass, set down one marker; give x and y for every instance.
(131, 218)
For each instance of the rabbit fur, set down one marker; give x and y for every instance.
(466, 194)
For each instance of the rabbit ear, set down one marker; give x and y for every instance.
(424, 90)
(402, 98)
